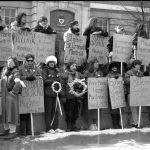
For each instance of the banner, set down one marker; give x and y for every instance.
(39, 44)
(139, 91)
(45, 46)
(5, 45)
(122, 47)
(75, 49)
(24, 43)
(97, 93)
(116, 91)
(32, 98)
(143, 50)
(98, 48)
(0, 99)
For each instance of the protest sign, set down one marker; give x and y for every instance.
(122, 47)
(45, 46)
(97, 93)
(98, 48)
(75, 49)
(139, 91)
(0, 98)
(116, 91)
(143, 50)
(24, 43)
(5, 45)
(32, 98)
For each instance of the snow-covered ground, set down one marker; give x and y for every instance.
(112, 139)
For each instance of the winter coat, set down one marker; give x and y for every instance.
(26, 72)
(10, 102)
(97, 74)
(68, 77)
(110, 44)
(48, 30)
(49, 76)
(131, 72)
(146, 73)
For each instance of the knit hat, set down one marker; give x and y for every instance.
(29, 56)
(73, 23)
(112, 65)
(43, 18)
(51, 58)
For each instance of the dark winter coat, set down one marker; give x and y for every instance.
(146, 73)
(49, 76)
(110, 44)
(10, 103)
(48, 30)
(68, 77)
(26, 72)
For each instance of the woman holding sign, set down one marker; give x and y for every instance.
(114, 73)
(11, 88)
(92, 71)
(134, 71)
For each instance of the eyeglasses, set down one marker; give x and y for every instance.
(29, 60)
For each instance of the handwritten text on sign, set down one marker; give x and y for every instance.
(122, 47)
(97, 93)
(32, 98)
(24, 43)
(0, 98)
(5, 45)
(116, 91)
(45, 46)
(139, 91)
(75, 49)
(98, 48)
(143, 50)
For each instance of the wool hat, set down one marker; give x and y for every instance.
(112, 65)
(29, 56)
(73, 23)
(51, 58)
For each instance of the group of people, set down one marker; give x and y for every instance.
(13, 75)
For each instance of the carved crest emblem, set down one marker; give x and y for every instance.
(61, 21)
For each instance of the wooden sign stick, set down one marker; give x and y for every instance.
(120, 108)
(32, 127)
(98, 111)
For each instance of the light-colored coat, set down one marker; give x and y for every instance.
(10, 102)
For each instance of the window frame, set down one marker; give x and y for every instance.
(3, 12)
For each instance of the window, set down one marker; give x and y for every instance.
(8, 15)
(103, 23)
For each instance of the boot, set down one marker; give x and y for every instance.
(68, 126)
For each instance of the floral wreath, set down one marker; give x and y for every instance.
(75, 87)
(59, 85)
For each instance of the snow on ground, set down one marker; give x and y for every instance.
(48, 136)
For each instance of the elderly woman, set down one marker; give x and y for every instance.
(11, 88)
(20, 23)
(43, 27)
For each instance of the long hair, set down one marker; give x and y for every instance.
(91, 65)
(19, 17)
(92, 23)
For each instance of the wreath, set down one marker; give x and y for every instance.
(56, 87)
(78, 87)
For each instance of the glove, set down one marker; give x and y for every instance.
(30, 78)
(12, 94)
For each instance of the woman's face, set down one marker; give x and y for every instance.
(44, 23)
(73, 67)
(114, 68)
(137, 67)
(10, 63)
(23, 19)
(96, 65)
(51, 64)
